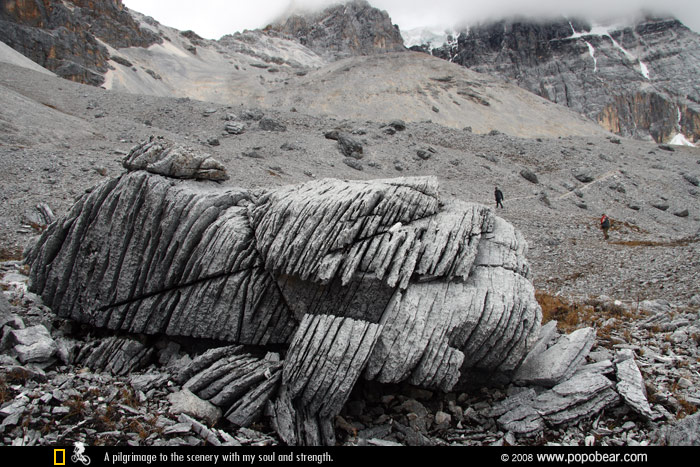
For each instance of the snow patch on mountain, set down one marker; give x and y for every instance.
(430, 38)
(602, 30)
(681, 140)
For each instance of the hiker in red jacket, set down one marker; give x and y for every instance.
(605, 225)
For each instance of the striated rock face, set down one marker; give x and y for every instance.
(354, 28)
(381, 279)
(161, 157)
(64, 36)
(639, 80)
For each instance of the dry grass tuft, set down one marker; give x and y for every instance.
(129, 398)
(10, 254)
(649, 243)
(572, 315)
(77, 407)
(569, 316)
(5, 395)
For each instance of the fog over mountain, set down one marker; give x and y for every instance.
(215, 18)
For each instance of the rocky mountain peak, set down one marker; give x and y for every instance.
(348, 29)
(66, 36)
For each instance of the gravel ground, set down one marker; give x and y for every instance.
(58, 139)
(652, 253)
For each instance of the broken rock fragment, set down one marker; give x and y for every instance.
(583, 396)
(559, 361)
(162, 157)
(630, 384)
(33, 344)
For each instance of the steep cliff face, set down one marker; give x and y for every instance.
(64, 36)
(354, 28)
(641, 80)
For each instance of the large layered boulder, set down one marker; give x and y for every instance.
(378, 279)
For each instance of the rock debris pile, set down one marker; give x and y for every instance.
(209, 303)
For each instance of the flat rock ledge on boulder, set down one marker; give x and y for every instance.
(382, 280)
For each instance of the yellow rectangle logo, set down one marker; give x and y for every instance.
(59, 457)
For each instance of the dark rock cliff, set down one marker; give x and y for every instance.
(65, 36)
(354, 28)
(640, 80)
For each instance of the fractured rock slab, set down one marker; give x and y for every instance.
(33, 344)
(583, 396)
(185, 402)
(559, 361)
(116, 355)
(323, 364)
(684, 433)
(630, 383)
(239, 383)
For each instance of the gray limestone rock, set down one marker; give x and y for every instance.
(630, 384)
(522, 420)
(349, 146)
(235, 128)
(40, 216)
(33, 344)
(529, 175)
(559, 361)
(238, 382)
(353, 163)
(522, 398)
(398, 125)
(185, 402)
(268, 124)
(694, 300)
(116, 355)
(164, 158)
(6, 314)
(381, 279)
(582, 397)
(584, 176)
(547, 332)
(661, 206)
(684, 433)
(692, 179)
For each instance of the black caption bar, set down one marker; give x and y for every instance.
(126, 456)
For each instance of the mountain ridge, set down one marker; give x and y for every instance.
(637, 80)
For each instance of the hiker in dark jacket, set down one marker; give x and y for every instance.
(499, 197)
(605, 225)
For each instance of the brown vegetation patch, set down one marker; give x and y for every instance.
(10, 254)
(5, 394)
(571, 315)
(650, 243)
(568, 315)
(616, 225)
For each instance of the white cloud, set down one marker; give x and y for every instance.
(214, 18)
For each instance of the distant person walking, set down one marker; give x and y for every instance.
(499, 197)
(605, 225)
